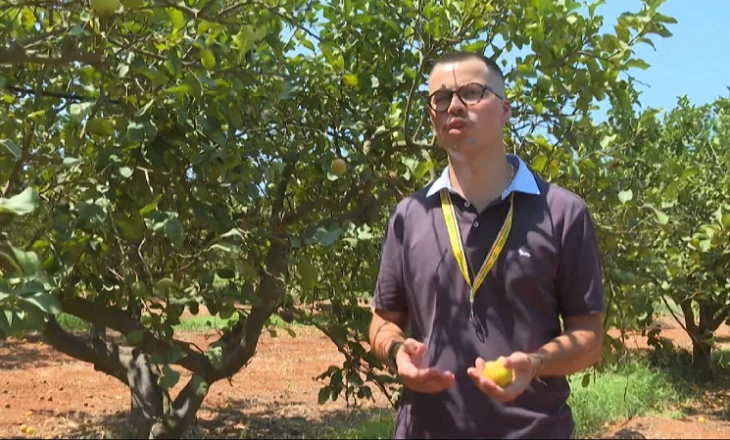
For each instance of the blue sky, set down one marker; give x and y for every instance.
(694, 61)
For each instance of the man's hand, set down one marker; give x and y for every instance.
(415, 375)
(523, 369)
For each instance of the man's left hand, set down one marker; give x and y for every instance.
(523, 369)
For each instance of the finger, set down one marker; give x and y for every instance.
(429, 380)
(517, 361)
(412, 347)
(438, 381)
(480, 364)
(485, 384)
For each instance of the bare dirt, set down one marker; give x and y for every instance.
(275, 395)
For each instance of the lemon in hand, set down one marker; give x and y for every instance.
(497, 373)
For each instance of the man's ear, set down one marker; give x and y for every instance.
(432, 117)
(506, 111)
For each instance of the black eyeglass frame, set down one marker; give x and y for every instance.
(458, 94)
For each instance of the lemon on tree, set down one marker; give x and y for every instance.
(497, 373)
(338, 167)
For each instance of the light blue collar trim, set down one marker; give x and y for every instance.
(524, 180)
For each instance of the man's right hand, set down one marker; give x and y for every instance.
(415, 375)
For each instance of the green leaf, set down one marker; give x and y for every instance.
(308, 272)
(135, 132)
(324, 395)
(174, 231)
(45, 302)
(637, 63)
(244, 39)
(135, 337)
(100, 127)
(586, 380)
(21, 204)
(79, 111)
(150, 206)
(327, 238)
(169, 378)
(207, 58)
(215, 354)
(163, 285)
(71, 162)
(539, 162)
(626, 196)
(200, 386)
(176, 17)
(726, 220)
(606, 141)
(23, 264)
(12, 147)
(125, 172)
(175, 353)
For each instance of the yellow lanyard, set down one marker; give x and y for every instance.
(457, 244)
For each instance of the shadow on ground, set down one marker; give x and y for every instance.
(244, 419)
(713, 393)
(25, 353)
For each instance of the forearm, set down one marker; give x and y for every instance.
(384, 332)
(573, 351)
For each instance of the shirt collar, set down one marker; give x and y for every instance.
(524, 181)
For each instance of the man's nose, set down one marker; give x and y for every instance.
(456, 106)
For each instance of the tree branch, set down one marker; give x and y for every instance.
(306, 208)
(181, 414)
(21, 57)
(721, 316)
(67, 96)
(105, 356)
(119, 320)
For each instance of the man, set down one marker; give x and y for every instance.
(482, 264)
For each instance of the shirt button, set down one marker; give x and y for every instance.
(467, 204)
(476, 223)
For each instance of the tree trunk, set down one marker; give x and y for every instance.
(701, 355)
(152, 413)
(147, 397)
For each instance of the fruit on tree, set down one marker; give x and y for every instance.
(338, 167)
(104, 8)
(497, 373)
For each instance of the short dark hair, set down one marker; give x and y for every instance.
(451, 57)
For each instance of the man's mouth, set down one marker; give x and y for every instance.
(455, 124)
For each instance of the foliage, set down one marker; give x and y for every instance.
(673, 171)
(177, 154)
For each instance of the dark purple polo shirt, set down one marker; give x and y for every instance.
(550, 266)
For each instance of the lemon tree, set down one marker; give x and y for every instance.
(157, 156)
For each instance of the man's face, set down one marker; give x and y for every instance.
(476, 125)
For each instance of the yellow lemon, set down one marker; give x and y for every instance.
(497, 373)
(338, 167)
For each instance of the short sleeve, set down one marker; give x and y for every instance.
(390, 293)
(580, 274)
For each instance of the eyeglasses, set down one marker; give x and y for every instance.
(469, 94)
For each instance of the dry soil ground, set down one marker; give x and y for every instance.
(276, 395)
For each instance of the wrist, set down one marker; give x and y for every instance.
(538, 362)
(393, 350)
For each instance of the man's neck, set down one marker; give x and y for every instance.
(480, 180)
